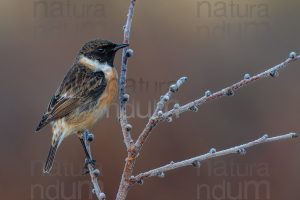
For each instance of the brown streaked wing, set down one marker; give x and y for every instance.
(80, 87)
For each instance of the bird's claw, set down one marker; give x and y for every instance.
(91, 162)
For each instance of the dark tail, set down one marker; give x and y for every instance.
(49, 162)
(44, 121)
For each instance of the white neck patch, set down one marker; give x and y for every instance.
(95, 65)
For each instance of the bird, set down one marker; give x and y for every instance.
(84, 96)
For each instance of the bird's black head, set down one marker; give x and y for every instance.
(102, 50)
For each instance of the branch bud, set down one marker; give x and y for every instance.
(166, 98)
(212, 150)
(196, 164)
(176, 106)
(274, 73)
(292, 55)
(295, 135)
(129, 53)
(173, 88)
(265, 136)
(229, 92)
(247, 76)
(128, 127)
(181, 80)
(160, 113)
(102, 195)
(90, 137)
(194, 108)
(242, 151)
(208, 93)
(141, 181)
(169, 119)
(161, 175)
(125, 97)
(96, 172)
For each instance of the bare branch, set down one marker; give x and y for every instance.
(122, 84)
(134, 148)
(126, 128)
(94, 173)
(196, 161)
(159, 116)
(229, 91)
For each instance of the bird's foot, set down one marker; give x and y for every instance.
(88, 162)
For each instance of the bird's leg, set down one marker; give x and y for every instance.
(89, 159)
(87, 154)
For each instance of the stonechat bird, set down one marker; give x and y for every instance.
(84, 95)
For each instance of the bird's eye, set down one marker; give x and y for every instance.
(100, 50)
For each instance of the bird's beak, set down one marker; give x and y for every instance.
(120, 46)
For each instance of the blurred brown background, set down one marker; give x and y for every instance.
(212, 42)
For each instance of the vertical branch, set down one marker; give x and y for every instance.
(126, 128)
(122, 85)
(94, 173)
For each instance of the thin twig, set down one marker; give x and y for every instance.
(94, 173)
(196, 161)
(122, 85)
(165, 98)
(158, 112)
(194, 105)
(229, 91)
(126, 128)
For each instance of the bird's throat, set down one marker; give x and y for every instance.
(94, 65)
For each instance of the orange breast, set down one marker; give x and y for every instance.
(110, 93)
